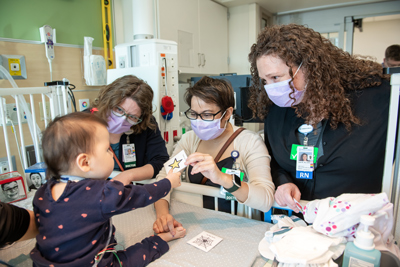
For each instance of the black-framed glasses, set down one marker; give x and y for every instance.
(132, 119)
(191, 115)
(11, 189)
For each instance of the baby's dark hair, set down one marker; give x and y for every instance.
(65, 138)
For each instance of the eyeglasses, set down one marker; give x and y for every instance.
(191, 115)
(11, 189)
(132, 119)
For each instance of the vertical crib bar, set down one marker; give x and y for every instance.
(36, 142)
(249, 213)
(21, 134)
(64, 100)
(44, 111)
(59, 106)
(391, 137)
(3, 119)
(52, 109)
(216, 203)
(232, 207)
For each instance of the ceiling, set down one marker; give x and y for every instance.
(287, 6)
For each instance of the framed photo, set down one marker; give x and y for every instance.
(35, 176)
(12, 187)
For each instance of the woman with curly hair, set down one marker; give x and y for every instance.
(311, 93)
(138, 148)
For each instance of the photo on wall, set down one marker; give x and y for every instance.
(12, 187)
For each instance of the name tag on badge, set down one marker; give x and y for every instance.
(293, 152)
(129, 155)
(305, 162)
(222, 191)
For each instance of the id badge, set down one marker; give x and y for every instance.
(222, 191)
(238, 173)
(129, 155)
(293, 152)
(226, 194)
(305, 162)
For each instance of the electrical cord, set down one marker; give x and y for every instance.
(71, 94)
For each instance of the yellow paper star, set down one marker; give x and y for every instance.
(175, 164)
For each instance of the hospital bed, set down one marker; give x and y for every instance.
(57, 95)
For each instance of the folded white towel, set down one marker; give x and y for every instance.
(304, 245)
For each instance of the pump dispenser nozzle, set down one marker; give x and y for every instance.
(364, 237)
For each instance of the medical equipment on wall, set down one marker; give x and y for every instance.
(56, 95)
(95, 69)
(48, 36)
(155, 62)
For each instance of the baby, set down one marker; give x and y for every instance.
(74, 208)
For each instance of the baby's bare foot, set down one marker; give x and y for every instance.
(179, 233)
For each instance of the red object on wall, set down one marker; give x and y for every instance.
(166, 136)
(167, 104)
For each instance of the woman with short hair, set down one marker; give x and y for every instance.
(211, 104)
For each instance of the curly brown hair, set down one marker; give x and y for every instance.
(329, 72)
(128, 86)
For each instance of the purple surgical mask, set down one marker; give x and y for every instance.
(207, 130)
(279, 92)
(117, 125)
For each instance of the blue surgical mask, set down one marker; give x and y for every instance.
(279, 92)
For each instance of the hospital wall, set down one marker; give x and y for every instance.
(19, 35)
(376, 36)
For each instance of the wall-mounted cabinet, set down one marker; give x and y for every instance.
(200, 27)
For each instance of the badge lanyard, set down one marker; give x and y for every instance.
(234, 171)
(116, 159)
(128, 152)
(305, 155)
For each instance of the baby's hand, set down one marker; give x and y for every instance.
(174, 178)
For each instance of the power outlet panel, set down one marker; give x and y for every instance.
(12, 114)
(15, 65)
(4, 167)
(84, 104)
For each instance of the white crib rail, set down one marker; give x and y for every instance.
(193, 194)
(58, 98)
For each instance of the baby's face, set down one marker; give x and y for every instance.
(101, 160)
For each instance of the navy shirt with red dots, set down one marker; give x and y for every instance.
(73, 229)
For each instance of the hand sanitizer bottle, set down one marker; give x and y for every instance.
(362, 252)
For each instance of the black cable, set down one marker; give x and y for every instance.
(71, 94)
